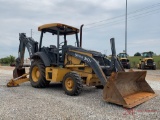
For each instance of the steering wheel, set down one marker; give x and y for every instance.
(60, 44)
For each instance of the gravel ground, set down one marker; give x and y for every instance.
(25, 102)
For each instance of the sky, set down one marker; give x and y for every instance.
(102, 19)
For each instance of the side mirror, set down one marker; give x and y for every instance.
(139, 59)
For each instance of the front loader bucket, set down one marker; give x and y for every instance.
(128, 89)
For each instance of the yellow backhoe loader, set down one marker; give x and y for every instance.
(147, 61)
(123, 57)
(74, 67)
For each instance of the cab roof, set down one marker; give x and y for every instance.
(63, 28)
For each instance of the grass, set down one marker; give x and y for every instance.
(134, 60)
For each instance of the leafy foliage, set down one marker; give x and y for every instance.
(137, 54)
(7, 60)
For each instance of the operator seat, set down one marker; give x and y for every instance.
(53, 48)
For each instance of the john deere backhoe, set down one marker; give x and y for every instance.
(74, 67)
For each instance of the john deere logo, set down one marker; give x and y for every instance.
(84, 58)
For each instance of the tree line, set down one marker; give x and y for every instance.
(7, 60)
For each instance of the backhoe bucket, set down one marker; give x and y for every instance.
(128, 89)
(19, 76)
(18, 72)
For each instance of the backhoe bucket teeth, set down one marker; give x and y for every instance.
(128, 89)
(18, 72)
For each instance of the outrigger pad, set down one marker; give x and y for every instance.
(128, 89)
(18, 72)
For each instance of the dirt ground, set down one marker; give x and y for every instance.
(28, 103)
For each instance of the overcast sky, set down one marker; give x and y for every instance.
(102, 19)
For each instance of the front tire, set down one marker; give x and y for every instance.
(128, 67)
(154, 67)
(72, 84)
(37, 74)
(142, 66)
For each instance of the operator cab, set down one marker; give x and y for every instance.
(56, 52)
(122, 55)
(147, 54)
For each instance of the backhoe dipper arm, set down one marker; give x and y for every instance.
(30, 44)
(19, 74)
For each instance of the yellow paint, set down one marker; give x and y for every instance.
(92, 80)
(83, 53)
(71, 66)
(69, 84)
(57, 73)
(35, 74)
(54, 26)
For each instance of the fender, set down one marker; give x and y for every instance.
(43, 57)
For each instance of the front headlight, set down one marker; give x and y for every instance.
(154, 63)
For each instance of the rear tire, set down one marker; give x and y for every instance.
(72, 84)
(37, 74)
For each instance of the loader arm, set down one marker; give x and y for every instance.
(115, 63)
(92, 63)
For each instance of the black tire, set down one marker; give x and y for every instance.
(154, 67)
(142, 66)
(37, 74)
(72, 84)
(99, 86)
(128, 67)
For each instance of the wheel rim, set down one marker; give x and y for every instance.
(69, 83)
(35, 73)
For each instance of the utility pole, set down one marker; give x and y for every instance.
(31, 33)
(126, 29)
(105, 52)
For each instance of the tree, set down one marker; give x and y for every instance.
(11, 59)
(7, 60)
(137, 54)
